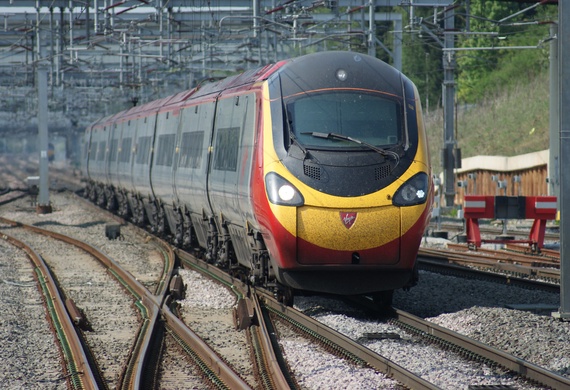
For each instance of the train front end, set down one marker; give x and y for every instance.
(347, 184)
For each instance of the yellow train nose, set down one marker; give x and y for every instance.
(348, 230)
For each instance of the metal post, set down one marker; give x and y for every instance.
(554, 119)
(564, 85)
(38, 30)
(87, 22)
(161, 30)
(256, 35)
(43, 205)
(51, 47)
(398, 38)
(71, 23)
(371, 30)
(96, 18)
(448, 159)
(60, 46)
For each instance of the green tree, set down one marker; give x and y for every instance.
(496, 24)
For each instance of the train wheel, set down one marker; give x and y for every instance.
(285, 295)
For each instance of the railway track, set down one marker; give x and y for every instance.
(78, 366)
(264, 305)
(478, 352)
(468, 348)
(212, 369)
(72, 280)
(491, 231)
(20, 167)
(255, 305)
(510, 266)
(359, 354)
(125, 371)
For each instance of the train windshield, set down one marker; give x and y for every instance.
(371, 118)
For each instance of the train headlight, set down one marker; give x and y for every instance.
(341, 75)
(281, 192)
(413, 192)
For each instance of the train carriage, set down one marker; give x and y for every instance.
(309, 174)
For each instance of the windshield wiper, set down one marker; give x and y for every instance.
(295, 141)
(381, 151)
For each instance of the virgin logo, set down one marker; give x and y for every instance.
(347, 219)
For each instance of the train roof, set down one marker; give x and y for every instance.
(300, 74)
(339, 69)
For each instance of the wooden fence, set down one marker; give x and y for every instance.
(524, 175)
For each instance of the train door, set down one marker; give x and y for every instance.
(195, 134)
(97, 166)
(95, 139)
(162, 168)
(124, 156)
(230, 167)
(164, 148)
(196, 123)
(87, 149)
(144, 139)
(113, 149)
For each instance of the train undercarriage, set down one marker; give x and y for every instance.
(177, 226)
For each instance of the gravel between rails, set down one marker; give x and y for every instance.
(474, 308)
(208, 309)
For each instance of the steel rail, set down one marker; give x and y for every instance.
(214, 368)
(497, 231)
(272, 367)
(544, 253)
(7, 199)
(434, 264)
(489, 263)
(519, 366)
(508, 256)
(80, 372)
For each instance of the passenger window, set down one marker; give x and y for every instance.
(113, 150)
(101, 151)
(226, 149)
(143, 150)
(125, 155)
(191, 149)
(165, 153)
